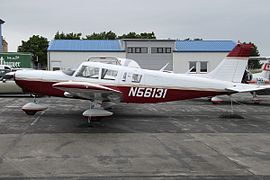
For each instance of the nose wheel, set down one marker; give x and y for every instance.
(33, 107)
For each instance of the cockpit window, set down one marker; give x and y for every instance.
(88, 72)
(108, 74)
(136, 78)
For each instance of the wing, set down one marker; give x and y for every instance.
(241, 88)
(90, 91)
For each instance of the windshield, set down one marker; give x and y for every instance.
(88, 72)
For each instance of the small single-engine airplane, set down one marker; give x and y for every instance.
(261, 79)
(106, 84)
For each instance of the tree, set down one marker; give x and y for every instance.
(101, 36)
(134, 35)
(254, 63)
(67, 36)
(37, 45)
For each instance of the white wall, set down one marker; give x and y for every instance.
(181, 60)
(74, 59)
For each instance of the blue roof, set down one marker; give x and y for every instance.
(205, 46)
(86, 45)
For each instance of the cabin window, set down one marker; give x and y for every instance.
(136, 78)
(108, 74)
(203, 66)
(88, 72)
(192, 66)
(124, 77)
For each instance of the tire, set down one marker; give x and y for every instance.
(30, 113)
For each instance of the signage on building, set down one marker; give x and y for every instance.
(16, 60)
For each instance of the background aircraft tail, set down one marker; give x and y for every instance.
(266, 70)
(232, 68)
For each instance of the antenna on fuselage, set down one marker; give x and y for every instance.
(190, 70)
(164, 67)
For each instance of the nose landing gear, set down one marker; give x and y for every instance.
(95, 111)
(33, 107)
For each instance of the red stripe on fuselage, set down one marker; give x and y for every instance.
(40, 87)
(46, 88)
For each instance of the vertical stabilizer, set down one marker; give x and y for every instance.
(266, 70)
(232, 68)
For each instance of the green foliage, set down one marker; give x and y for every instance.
(110, 35)
(255, 51)
(67, 36)
(134, 35)
(37, 45)
(101, 36)
(254, 63)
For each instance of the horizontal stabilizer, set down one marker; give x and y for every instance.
(241, 88)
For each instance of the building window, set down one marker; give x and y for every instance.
(168, 50)
(192, 66)
(153, 50)
(203, 66)
(161, 50)
(137, 50)
(144, 50)
(130, 50)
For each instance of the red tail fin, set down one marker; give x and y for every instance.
(241, 50)
(266, 67)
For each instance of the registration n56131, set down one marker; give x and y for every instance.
(147, 92)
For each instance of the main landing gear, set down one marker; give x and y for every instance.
(216, 100)
(255, 98)
(95, 112)
(33, 107)
(231, 114)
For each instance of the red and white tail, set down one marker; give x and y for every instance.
(232, 68)
(266, 70)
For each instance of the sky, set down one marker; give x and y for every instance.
(238, 20)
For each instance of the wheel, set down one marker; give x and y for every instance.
(30, 113)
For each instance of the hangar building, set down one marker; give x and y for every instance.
(202, 55)
(1, 37)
